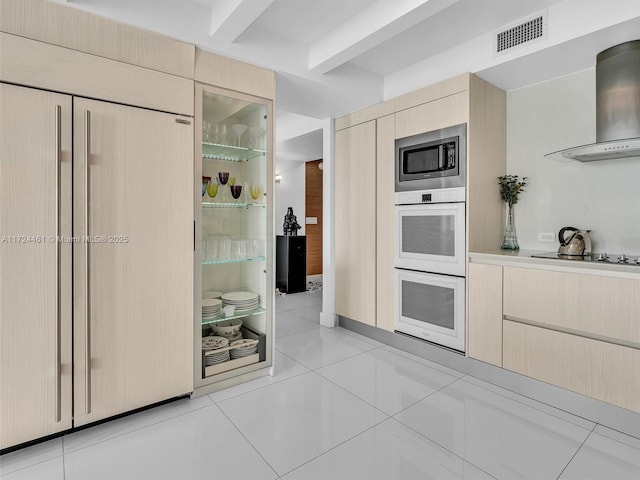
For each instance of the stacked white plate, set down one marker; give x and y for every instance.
(210, 345)
(215, 358)
(211, 307)
(243, 301)
(211, 294)
(244, 348)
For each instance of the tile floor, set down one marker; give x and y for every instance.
(341, 406)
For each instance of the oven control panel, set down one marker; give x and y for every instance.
(441, 195)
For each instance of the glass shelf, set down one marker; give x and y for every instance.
(229, 153)
(232, 260)
(221, 317)
(231, 205)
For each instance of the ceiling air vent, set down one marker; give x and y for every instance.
(524, 32)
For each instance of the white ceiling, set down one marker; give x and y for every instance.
(334, 57)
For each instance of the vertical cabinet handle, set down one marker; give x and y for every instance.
(87, 310)
(58, 380)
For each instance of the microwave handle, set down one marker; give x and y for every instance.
(442, 157)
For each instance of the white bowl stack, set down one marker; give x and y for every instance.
(242, 301)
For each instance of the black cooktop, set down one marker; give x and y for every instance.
(620, 259)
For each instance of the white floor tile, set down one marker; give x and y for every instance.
(320, 347)
(48, 470)
(604, 458)
(388, 451)
(503, 437)
(618, 436)
(284, 367)
(353, 334)
(311, 313)
(202, 444)
(298, 300)
(415, 358)
(12, 462)
(293, 421)
(114, 428)
(387, 381)
(289, 323)
(581, 422)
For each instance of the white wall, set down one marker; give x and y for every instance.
(602, 196)
(290, 192)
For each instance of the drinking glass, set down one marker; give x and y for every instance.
(212, 248)
(238, 129)
(240, 249)
(255, 133)
(236, 190)
(225, 252)
(223, 177)
(255, 192)
(212, 189)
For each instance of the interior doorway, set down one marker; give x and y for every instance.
(313, 220)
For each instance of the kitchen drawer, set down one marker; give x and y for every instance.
(603, 307)
(601, 370)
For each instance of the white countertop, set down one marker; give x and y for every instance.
(522, 258)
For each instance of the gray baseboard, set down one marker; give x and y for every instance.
(588, 408)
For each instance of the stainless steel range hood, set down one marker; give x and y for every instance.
(617, 107)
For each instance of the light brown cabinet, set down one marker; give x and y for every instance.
(132, 248)
(133, 280)
(35, 271)
(578, 331)
(365, 148)
(601, 370)
(355, 222)
(484, 313)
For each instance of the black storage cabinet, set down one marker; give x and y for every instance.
(291, 263)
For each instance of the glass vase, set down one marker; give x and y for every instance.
(510, 240)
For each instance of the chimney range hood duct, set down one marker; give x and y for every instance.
(617, 107)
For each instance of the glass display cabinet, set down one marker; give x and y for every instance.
(233, 237)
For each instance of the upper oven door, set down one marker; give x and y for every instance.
(431, 238)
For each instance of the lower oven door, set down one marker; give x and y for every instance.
(431, 238)
(431, 307)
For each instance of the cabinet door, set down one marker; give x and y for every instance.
(133, 331)
(601, 370)
(35, 270)
(385, 226)
(485, 313)
(355, 222)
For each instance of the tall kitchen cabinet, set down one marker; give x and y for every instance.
(355, 222)
(234, 236)
(35, 271)
(365, 185)
(132, 274)
(127, 232)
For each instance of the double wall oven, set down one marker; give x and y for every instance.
(430, 257)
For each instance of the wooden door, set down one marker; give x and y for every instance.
(134, 278)
(35, 269)
(355, 222)
(313, 208)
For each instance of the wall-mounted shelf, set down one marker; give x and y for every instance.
(215, 151)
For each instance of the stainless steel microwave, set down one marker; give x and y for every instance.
(431, 160)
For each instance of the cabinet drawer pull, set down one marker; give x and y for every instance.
(87, 243)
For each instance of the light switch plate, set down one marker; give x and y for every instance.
(546, 237)
(311, 220)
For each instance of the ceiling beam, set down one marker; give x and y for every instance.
(371, 27)
(229, 18)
